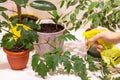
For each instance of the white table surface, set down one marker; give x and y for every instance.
(75, 47)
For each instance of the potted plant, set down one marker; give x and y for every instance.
(92, 14)
(49, 33)
(95, 13)
(20, 34)
(99, 13)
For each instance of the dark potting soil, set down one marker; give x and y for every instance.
(18, 49)
(29, 17)
(50, 28)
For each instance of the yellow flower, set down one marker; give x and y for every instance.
(17, 32)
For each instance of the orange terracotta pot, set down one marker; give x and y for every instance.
(17, 60)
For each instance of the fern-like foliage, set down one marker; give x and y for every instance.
(70, 63)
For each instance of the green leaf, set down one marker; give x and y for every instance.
(3, 8)
(7, 41)
(68, 4)
(5, 24)
(14, 20)
(73, 17)
(55, 61)
(21, 2)
(92, 6)
(35, 60)
(74, 2)
(104, 68)
(83, 75)
(116, 3)
(74, 58)
(118, 78)
(55, 16)
(62, 3)
(28, 37)
(1, 1)
(42, 69)
(67, 37)
(92, 66)
(57, 51)
(29, 46)
(79, 65)
(43, 5)
(49, 60)
(101, 5)
(5, 15)
(31, 23)
(78, 24)
(66, 56)
(67, 66)
(66, 53)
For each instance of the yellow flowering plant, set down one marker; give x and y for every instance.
(20, 30)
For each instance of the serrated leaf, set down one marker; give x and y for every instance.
(79, 65)
(43, 5)
(67, 66)
(7, 41)
(49, 60)
(35, 60)
(42, 69)
(55, 61)
(83, 75)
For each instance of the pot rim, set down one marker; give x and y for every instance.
(49, 21)
(38, 19)
(15, 53)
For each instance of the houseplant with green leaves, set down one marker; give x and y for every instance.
(99, 13)
(104, 13)
(71, 64)
(92, 14)
(19, 30)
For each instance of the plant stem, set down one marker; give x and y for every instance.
(19, 14)
(56, 26)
